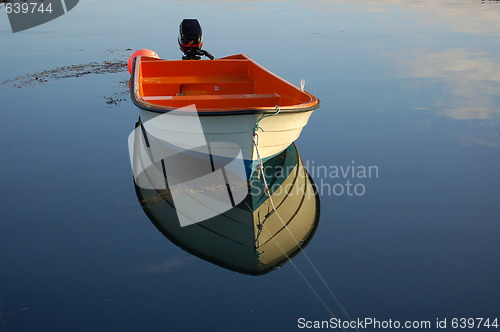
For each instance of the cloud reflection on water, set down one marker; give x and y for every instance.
(471, 80)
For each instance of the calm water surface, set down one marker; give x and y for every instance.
(409, 88)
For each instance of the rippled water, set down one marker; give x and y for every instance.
(410, 89)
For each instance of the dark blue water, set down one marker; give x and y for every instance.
(409, 89)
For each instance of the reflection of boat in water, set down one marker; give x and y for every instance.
(254, 237)
(230, 95)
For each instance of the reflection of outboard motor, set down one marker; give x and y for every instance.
(190, 40)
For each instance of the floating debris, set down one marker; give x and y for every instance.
(72, 71)
(118, 97)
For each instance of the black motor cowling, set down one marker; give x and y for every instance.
(190, 40)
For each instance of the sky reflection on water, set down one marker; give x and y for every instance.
(411, 87)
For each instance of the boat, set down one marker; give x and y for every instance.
(208, 133)
(233, 99)
(213, 156)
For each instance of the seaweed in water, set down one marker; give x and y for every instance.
(72, 71)
(118, 97)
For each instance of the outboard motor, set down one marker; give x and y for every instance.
(190, 40)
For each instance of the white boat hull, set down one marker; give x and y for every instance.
(228, 135)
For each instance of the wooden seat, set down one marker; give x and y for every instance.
(204, 79)
(230, 101)
(202, 85)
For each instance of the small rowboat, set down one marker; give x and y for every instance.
(231, 96)
(233, 85)
(214, 163)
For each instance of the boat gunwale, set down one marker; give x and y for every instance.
(140, 102)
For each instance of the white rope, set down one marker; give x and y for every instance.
(311, 287)
(260, 169)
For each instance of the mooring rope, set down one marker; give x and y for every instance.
(260, 169)
(257, 124)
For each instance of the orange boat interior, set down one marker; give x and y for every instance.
(231, 83)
